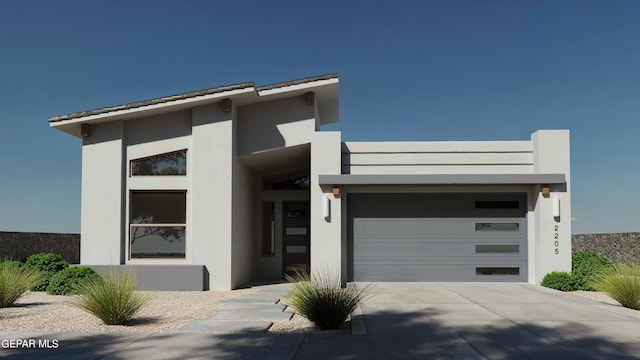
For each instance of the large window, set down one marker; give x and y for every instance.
(174, 163)
(157, 224)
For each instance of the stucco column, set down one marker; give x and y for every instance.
(326, 243)
(211, 194)
(102, 196)
(552, 234)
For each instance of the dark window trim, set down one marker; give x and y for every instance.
(140, 225)
(268, 229)
(131, 174)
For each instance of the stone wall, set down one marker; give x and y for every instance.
(618, 247)
(19, 245)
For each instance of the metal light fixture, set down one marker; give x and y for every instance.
(556, 206)
(326, 206)
(545, 190)
(226, 105)
(85, 130)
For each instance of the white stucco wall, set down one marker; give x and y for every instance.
(242, 218)
(212, 189)
(438, 157)
(274, 124)
(327, 255)
(551, 155)
(102, 196)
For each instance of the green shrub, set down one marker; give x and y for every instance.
(323, 300)
(15, 280)
(585, 265)
(111, 298)
(66, 282)
(562, 281)
(622, 283)
(47, 265)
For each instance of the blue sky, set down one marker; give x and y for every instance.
(409, 70)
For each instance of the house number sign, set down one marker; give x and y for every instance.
(556, 241)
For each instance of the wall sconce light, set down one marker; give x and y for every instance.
(308, 98)
(335, 190)
(326, 206)
(85, 130)
(556, 206)
(545, 190)
(226, 105)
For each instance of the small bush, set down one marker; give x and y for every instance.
(558, 280)
(622, 283)
(585, 265)
(47, 265)
(111, 298)
(15, 280)
(66, 282)
(323, 300)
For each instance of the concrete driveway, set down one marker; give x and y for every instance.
(398, 321)
(493, 321)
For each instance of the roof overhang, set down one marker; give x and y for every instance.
(324, 87)
(453, 179)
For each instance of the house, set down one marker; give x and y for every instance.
(226, 186)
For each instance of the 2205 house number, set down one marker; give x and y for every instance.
(556, 240)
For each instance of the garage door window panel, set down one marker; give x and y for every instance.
(497, 249)
(515, 227)
(512, 271)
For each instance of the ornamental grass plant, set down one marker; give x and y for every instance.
(15, 280)
(622, 283)
(111, 297)
(322, 299)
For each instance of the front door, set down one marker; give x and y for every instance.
(295, 237)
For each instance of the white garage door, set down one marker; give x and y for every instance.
(437, 237)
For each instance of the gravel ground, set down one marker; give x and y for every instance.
(594, 295)
(167, 311)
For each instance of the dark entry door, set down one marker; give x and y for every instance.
(296, 236)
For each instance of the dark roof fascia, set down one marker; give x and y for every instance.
(160, 100)
(297, 82)
(453, 179)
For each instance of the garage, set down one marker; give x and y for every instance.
(437, 237)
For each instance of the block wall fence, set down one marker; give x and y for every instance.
(19, 245)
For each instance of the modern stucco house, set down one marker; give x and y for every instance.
(237, 184)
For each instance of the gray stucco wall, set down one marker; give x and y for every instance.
(618, 247)
(19, 245)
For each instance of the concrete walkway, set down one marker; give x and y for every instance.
(400, 321)
(253, 312)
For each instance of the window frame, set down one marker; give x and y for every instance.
(132, 225)
(186, 162)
